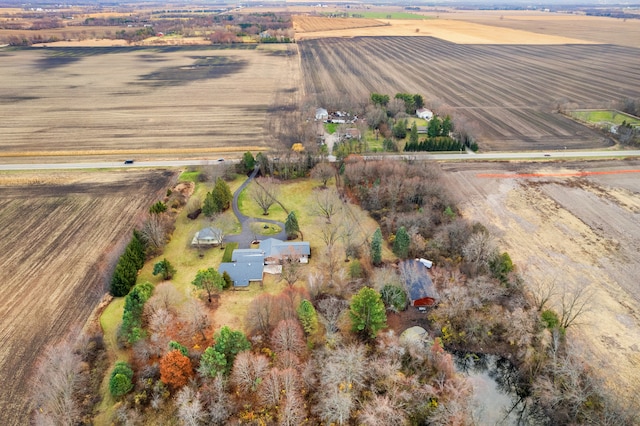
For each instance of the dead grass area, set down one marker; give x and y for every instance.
(576, 232)
(58, 234)
(454, 31)
(161, 101)
(589, 28)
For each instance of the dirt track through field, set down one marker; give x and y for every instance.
(575, 224)
(56, 235)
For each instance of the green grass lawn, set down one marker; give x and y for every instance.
(606, 116)
(297, 195)
(264, 228)
(331, 127)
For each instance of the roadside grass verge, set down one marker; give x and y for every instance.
(189, 176)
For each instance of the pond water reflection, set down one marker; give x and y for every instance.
(497, 397)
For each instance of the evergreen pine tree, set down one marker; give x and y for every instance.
(376, 247)
(401, 243)
(291, 226)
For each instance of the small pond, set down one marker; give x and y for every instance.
(495, 391)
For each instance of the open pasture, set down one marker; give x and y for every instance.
(59, 234)
(147, 99)
(504, 95)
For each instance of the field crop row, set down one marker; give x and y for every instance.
(505, 94)
(304, 23)
(56, 240)
(141, 99)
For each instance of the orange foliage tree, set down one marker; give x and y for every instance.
(175, 369)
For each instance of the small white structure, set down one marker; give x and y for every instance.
(426, 262)
(424, 113)
(207, 237)
(322, 114)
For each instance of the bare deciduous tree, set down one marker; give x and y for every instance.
(56, 377)
(479, 250)
(330, 310)
(574, 303)
(261, 314)
(288, 336)
(323, 172)
(292, 410)
(335, 405)
(315, 284)
(249, 369)
(159, 323)
(270, 388)
(542, 292)
(291, 271)
(165, 296)
(326, 204)
(381, 410)
(195, 318)
(223, 224)
(190, 410)
(287, 359)
(264, 192)
(218, 401)
(154, 231)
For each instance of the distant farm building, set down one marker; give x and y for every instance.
(322, 114)
(418, 283)
(424, 113)
(207, 237)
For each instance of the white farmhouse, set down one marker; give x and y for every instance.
(424, 113)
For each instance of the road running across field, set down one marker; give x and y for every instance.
(491, 156)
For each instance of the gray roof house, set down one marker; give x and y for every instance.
(242, 273)
(247, 255)
(276, 250)
(207, 236)
(420, 288)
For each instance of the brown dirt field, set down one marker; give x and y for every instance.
(588, 28)
(303, 23)
(576, 231)
(57, 235)
(450, 30)
(162, 98)
(505, 95)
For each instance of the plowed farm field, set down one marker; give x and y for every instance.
(58, 235)
(134, 102)
(302, 23)
(504, 94)
(574, 225)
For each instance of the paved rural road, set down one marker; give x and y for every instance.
(505, 156)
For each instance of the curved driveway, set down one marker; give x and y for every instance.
(245, 237)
